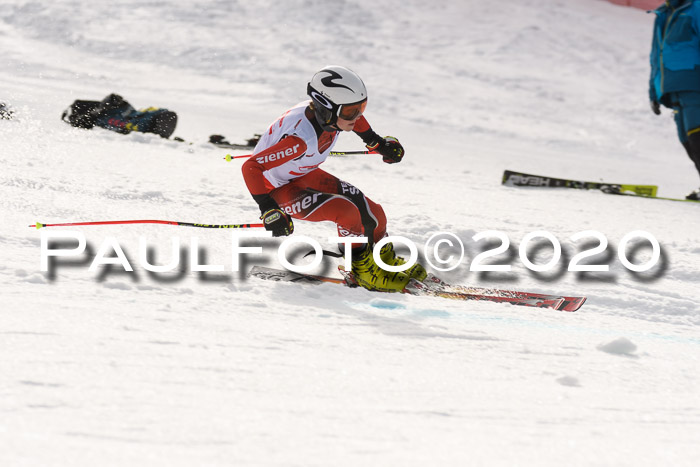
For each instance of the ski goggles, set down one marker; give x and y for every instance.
(352, 111)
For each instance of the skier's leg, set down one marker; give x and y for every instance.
(693, 149)
(373, 219)
(688, 123)
(320, 196)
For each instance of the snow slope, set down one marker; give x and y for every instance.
(188, 368)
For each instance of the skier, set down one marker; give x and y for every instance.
(284, 177)
(675, 72)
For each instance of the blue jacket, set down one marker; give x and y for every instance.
(675, 49)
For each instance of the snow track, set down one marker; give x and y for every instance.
(210, 368)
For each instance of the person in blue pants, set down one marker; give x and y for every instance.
(675, 72)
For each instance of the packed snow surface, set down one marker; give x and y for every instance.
(109, 367)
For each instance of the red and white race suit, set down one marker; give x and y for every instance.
(285, 166)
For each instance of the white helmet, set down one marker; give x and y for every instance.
(337, 92)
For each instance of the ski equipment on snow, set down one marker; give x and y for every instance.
(116, 114)
(694, 196)
(220, 141)
(441, 288)
(512, 178)
(435, 287)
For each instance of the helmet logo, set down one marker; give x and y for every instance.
(321, 100)
(332, 76)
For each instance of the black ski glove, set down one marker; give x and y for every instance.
(390, 149)
(655, 107)
(277, 222)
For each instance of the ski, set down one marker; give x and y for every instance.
(283, 275)
(220, 141)
(568, 303)
(415, 287)
(512, 178)
(434, 287)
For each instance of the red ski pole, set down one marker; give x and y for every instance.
(39, 225)
(229, 157)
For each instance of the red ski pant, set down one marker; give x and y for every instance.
(319, 196)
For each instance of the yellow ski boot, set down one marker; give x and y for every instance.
(369, 275)
(388, 255)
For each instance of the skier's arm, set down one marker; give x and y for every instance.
(389, 147)
(365, 131)
(287, 149)
(654, 64)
